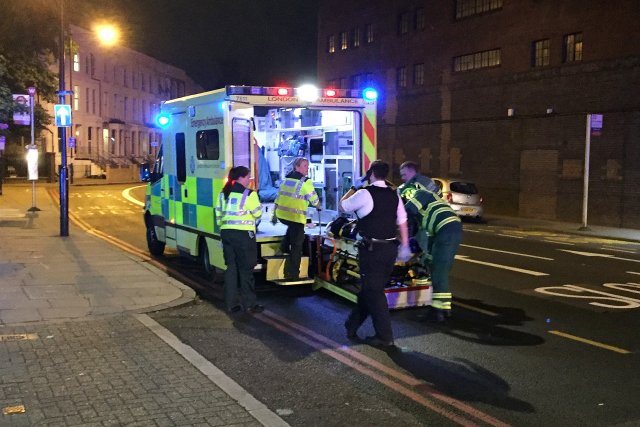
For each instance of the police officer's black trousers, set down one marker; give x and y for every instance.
(240, 256)
(292, 243)
(376, 267)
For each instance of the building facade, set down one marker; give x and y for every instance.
(497, 91)
(116, 95)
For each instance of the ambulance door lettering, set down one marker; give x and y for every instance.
(578, 292)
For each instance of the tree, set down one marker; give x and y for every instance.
(28, 35)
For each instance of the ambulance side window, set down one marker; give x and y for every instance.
(208, 144)
(181, 160)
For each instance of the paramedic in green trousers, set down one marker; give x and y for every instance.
(237, 211)
(295, 195)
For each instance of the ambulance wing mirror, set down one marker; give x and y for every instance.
(253, 124)
(145, 172)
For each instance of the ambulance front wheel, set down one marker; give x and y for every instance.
(156, 247)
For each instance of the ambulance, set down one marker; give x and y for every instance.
(264, 129)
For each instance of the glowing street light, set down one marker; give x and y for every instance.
(107, 34)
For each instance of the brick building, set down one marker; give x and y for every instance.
(117, 92)
(497, 91)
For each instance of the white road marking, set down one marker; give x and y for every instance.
(608, 248)
(126, 194)
(633, 272)
(559, 243)
(466, 230)
(504, 267)
(509, 235)
(507, 252)
(595, 254)
(579, 293)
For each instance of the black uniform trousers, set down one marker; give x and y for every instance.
(376, 266)
(292, 244)
(240, 255)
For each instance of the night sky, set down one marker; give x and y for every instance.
(217, 42)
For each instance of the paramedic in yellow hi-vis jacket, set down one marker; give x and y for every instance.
(295, 195)
(440, 223)
(237, 211)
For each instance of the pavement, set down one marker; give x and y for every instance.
(77, 349)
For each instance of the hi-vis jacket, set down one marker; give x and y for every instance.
(296, 193)
(240, 211)
(434, 212)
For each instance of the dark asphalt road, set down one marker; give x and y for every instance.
(511, 354)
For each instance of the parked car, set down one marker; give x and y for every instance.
(462, 195)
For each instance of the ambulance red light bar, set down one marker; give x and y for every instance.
(368, 93)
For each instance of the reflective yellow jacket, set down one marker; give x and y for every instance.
(296, 193)
(240, 211)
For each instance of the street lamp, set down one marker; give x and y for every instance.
(64, 185)
(107, 34)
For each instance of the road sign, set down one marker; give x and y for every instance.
(72, 142)
(62, 113)
(596, 124)
(3, 140)
(22, 117)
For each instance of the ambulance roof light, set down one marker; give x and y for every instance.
(330, 93)
(370, 94)
(162, 120)
(283, 91)
(308, 93)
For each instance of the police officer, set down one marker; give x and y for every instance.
(381, 214)
(295, 194)
(237, 211)
(440, 223)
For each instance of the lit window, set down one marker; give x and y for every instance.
(573, 47)
(475, 7)
(355, 37)
(344, 41)
(76, 62)
(540, 53)
(76, 98)
(418, 74)
(368, 29)
(403, 23)
(474, 61)
(331, 44)
(401, 77)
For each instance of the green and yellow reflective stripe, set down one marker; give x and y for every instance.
(292, 210)
(442, 305)
(446, 221)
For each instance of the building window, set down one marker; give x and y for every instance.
(76, 62)
(540, 53)
(76, 98)
(86, 99)
(573, 47)
(355, 37)
(368, 29)
(474, 61)
(475, 7)
(420, 20)
(331, 44)
(125, 79)
(356, 81)
(93, 101)
(344, 41)
(418, 74)
(92, 63)
(401, 77)
(403, 23)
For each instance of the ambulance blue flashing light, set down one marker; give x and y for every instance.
(162, 120)
(370, 94)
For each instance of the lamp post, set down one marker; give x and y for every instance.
(32, 154)
(64, 185)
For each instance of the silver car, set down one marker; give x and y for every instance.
(463, 196)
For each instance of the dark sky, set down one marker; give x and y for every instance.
(218, 42)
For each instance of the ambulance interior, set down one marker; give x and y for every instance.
(329, 139)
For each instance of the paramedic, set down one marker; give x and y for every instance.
(377, 252)
(444, 230)
(410, 175)
(237, 211)
(295, 194)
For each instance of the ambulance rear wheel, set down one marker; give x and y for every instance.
(156, 247)
(209, 270)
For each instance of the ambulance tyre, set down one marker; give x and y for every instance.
(209, 270)
(156, 247)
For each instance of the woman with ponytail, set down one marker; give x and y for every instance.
(237, 211)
